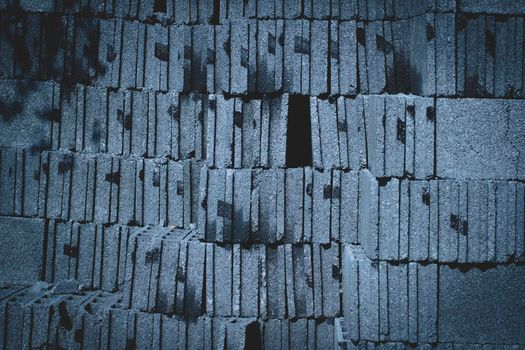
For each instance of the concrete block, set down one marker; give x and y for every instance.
(322, 195)
(349, 207)
(505, 221)
(389, 220)
(471, 152)
(375, 134)
(331, 276)
(8, 176)
(490, 297)
(179, 74)
(109, 51)
(276, 279)
(293, 55)
(368, 212)
(265, 132)
(223, 281)
(412, 315)
(395, 137)
(31, 178)
(241, 205)
(86, 254)
(355, 119)
(304, 46)
(335, 207)
(249, 273)
(199, 57)
(294, 184)
(501, 7)
(348, 57)
(419, 220)
(278, 128)
(317, 156)
(375, 57)
(327, 114)
(369, 300)
(224, 132)
(475, 43)
(23, 241)
(319, 57)
(398, 302)
(193, 298)
(410, 137)
(427, 303)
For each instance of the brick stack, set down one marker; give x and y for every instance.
(147, 198)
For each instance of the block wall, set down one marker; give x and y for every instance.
(148, 198)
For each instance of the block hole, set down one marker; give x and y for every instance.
(160, 6)
(299, 134)
(252, 337)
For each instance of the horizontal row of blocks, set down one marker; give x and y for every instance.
(427, 303)
(166, 270)
(36, 316)
(392, 135)
(98, 188)
(444, 221)
(343, 342)
(430, 55)
(204, 12)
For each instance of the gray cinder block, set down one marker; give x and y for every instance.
(23, 241)
(179, 72)
(389, 220)
(395, 135)
(322, 195)
(275, 265)
(479, 158)
(419, 220)
(319, 57)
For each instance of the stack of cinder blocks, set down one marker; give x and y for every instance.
(147, 199)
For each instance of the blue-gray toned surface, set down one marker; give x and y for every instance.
(262, 174)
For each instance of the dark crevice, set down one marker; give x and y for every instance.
(299, 135)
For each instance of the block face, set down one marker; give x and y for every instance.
(485, 142)
(22, 242)
(489, 297)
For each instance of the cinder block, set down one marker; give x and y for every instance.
(419, 220)
(368, 213)
(375, 57)
(323, 191)
(277, 132)
(195, 278)
(293, 55)
(23, 242)
(179, 73)
(319, 57)
(395, 135)
(389, 220)
(276, 279)
(250, 273)
(462, 290)
(375, 134)
(479, 158)
(109, 52)
(223, 281)
(355, 119)
(331, 276)
(327, 114)
(449, 221)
